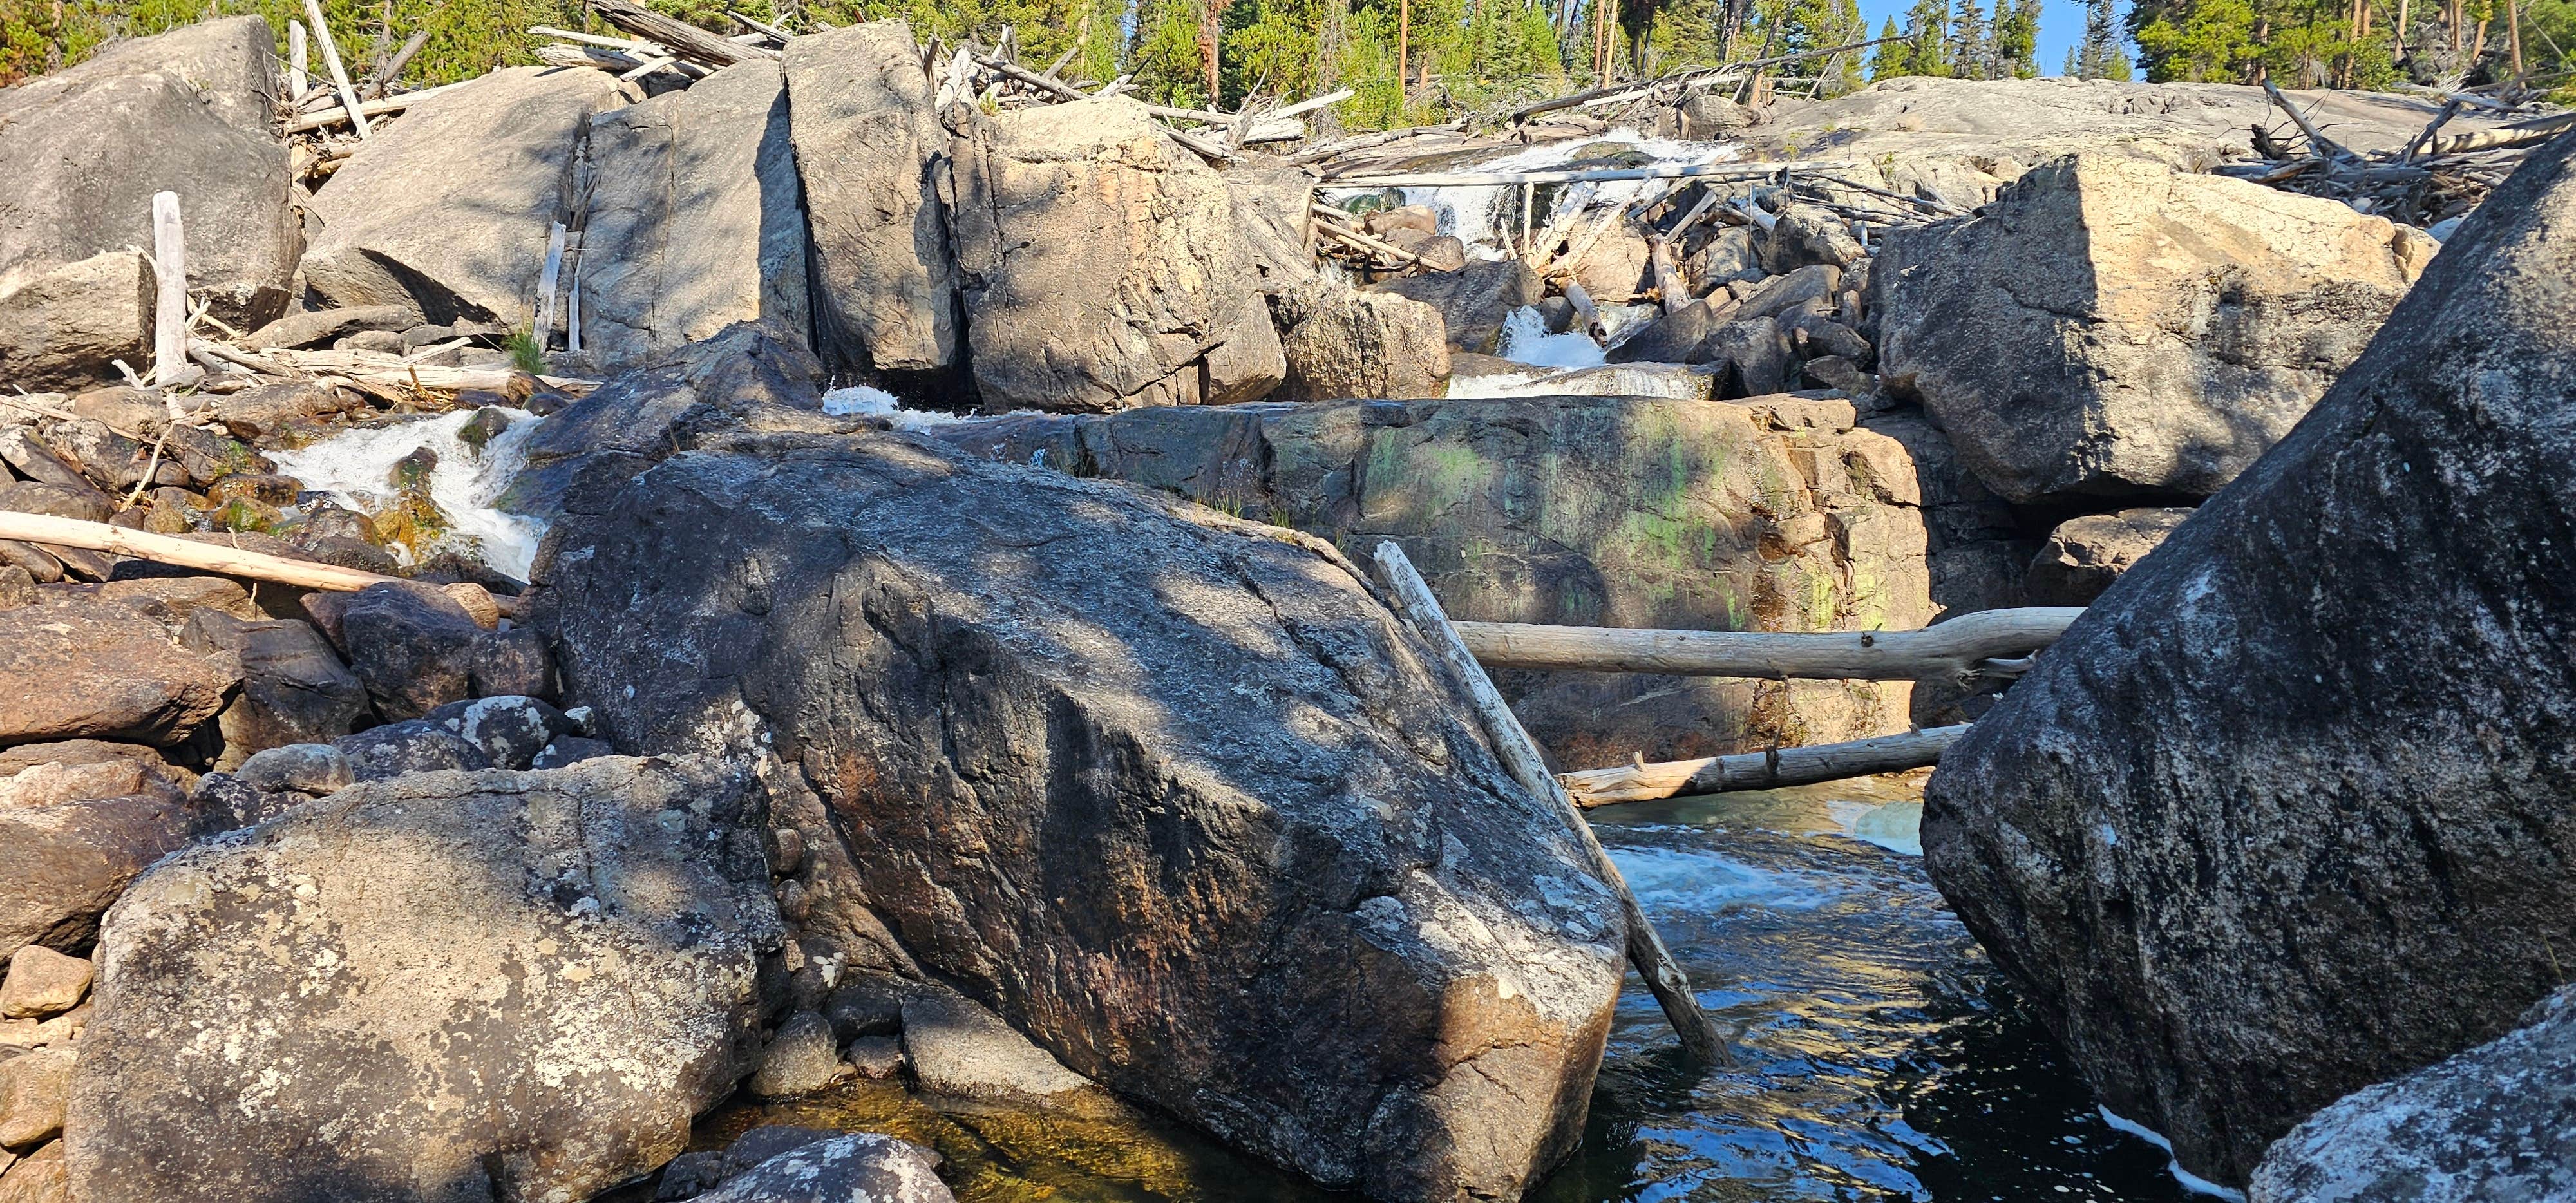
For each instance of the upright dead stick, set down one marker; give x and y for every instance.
(170, 305)
(401, 59)
(1521, 759)
(546, 282)
(299, 75)
(2318, 144)
(339, 74)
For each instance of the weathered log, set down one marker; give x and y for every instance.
(230, 561)
(1364, 242)
(381, 108)
(1949, 651)
(1760, 770)
(548, 278)
(770, 31)
(686, 40)
(1317, 154)
(299, 76)
(2525, 133)
(1669, 290)
(1618, 92)
(401, 58)
(339, 74)
(1683, 171)
(1520, 756)
(170, 301)
(2318, 144)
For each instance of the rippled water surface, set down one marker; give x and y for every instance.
(1881, 1058)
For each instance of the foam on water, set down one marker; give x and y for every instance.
(1526, 340)
(1709, 883)
(357, 466)
(1479, 215)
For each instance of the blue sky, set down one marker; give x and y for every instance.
(2061, 24)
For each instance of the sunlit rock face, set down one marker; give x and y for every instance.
(1178, 798)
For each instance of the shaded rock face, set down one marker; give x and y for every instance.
(404, 222)
(2112, 328)
(190, 111)
(485, 985)
(873, 159)
(2284, 814)
(1362, 344)
(1590, 511)
(695, 221)
(1100, 263)
(70, 670)
(294, 688)
(1182, 801)
(2084, 555)
(2496, 1122)
(1473, 301)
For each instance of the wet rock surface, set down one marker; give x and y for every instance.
(1320, 996)
(516, 985)
(2283, 814)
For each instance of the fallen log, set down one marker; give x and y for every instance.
(1774, 769)
(686, 40)
(1949, 651)
(1618, 92)
(229, 561)
(1520, 756)
(1685, 171)
(376, 108)
(2502, 137)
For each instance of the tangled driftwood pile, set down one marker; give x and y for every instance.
(2433, 179)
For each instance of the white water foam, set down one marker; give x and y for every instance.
(1526, 340)
(1666, 879)
(1476, 214)
(2190, 1181)
(357, 466)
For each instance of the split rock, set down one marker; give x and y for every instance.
(872, 158)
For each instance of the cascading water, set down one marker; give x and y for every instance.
(357, 467)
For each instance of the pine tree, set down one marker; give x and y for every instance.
(1968, 41)
(1890, 60)
(2017, 39)
(1927, 52)
(2103, 56)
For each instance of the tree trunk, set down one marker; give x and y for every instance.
(1952, 650)
(1403, 44)
(1761, 770)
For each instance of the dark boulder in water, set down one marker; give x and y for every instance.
(2286, 813)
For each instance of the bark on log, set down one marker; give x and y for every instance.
(1949, 651)
(1520, 757)
(1760, 770)
(339, 74)
(686, 40)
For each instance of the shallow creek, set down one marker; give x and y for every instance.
(1882, 1057)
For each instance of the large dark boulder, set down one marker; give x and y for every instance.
(2113, 328)
(2286, 812)
(1177, 797)
(1772, 514)
(191, 111)
(453, 986)
(294, 687)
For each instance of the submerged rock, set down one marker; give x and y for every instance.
(1180, 800)
(2497, 1122)
(2285, 812)
(2110, 327)
(854, 1168)
(452, 986)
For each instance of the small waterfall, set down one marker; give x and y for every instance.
(357, 467)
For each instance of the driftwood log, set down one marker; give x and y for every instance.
(1760, 770)
(229, 561)
(331, 62)
(1951, 651)
(1520, 757)
(170, 299)
(1569, 175)
(686, 40)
